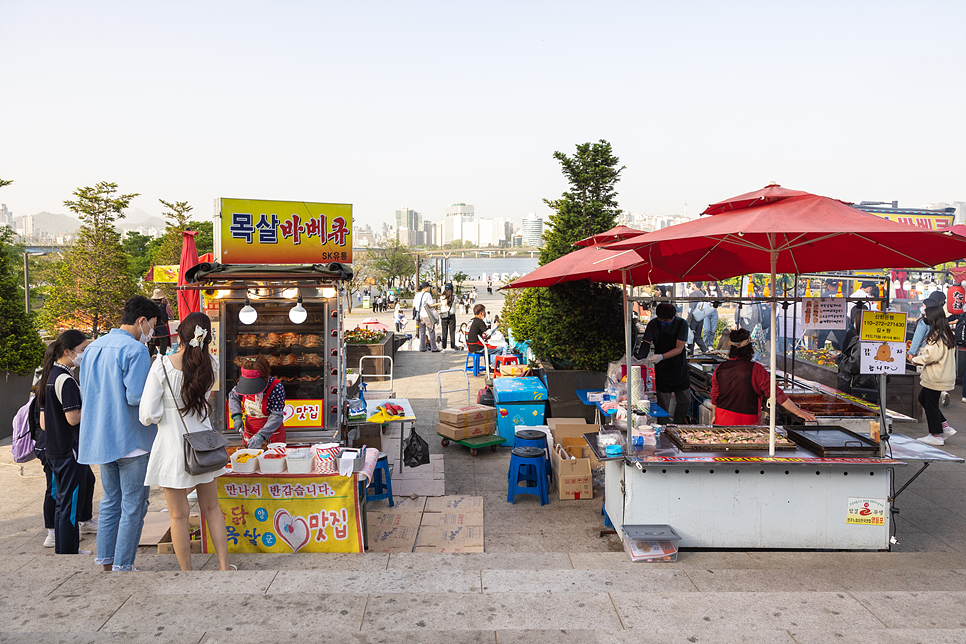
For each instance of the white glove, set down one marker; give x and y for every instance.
(655, 358)
(256, 442)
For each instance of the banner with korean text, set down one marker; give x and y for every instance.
(289, 513)
(254, 231)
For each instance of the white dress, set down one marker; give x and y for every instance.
(166, 463)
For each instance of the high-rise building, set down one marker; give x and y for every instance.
(459, 224)
(409, 218)
(532, 230)
(6, 216)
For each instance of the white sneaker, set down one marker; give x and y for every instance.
(88, 527)
(85, 552)
(50, 541)
(948, 432)
(930, 439)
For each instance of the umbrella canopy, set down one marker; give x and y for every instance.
(595, 264)
(768, 194)
(373, 325)
(189, 301)
(616, 234)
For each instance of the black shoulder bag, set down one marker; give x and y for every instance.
(204, 451)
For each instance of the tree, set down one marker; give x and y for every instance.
(169, 246)
(575, 325)
(21, 349)
(94, 279)
(362, 275)
(459, 278)
(140, 253)
(205, 239)
(393, 262)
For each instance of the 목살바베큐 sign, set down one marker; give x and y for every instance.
(254, 231)
(289, 513)
(883, 327)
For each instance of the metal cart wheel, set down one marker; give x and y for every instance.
(445, 442)
(493, 448)
(473, 451)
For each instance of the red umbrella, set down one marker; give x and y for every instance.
(597, 265)
(188, 300)
(768, 194)
(616, 234)
(373, 325)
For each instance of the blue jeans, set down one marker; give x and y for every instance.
(123, 506)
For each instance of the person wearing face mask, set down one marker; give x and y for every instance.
(115, 369)
(668, 334)
(59, 414)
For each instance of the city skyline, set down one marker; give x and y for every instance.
(324, 102)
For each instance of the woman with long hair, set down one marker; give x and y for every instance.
(59, 405)
(176, 399)
(447, 316)
(938, 358)
(739, 386)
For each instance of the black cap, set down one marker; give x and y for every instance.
(423, 285)
(867, 284)
(938, 297)
(251, 386)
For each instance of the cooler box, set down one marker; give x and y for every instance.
(519, 401)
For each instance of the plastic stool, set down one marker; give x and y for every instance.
(477, 363)
(381, 485)
(528, 465)
(502, 360)
(533, 438)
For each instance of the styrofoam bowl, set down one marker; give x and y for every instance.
(299, 465)
(271, 465)
(249, 467)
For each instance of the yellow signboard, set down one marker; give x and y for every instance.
(883, 327)
(289, 513)
(166, 274)
(285, 232)
(928, 222)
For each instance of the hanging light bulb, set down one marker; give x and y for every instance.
(247, 315)
(298, 314)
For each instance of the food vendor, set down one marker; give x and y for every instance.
(668, 334)
(262, 398)
(739, 386)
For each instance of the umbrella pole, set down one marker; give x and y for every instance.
(627, 354)
(772, 384)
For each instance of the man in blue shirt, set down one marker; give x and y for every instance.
(112, 380)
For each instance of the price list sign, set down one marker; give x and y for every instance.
(824, 313)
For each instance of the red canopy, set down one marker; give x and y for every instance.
(188, 300)
(597, 265)
(768, 194)
(616, 234)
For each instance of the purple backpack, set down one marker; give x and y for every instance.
(23, 433)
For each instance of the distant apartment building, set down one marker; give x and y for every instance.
(459, 223)
(409, 218)
(532, 230)
(6, 216)
(26, 227)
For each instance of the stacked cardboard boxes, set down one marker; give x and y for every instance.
(573, 475)
(451, 524)
(460, 423)
(394, 529)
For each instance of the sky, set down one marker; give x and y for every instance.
(396, 104)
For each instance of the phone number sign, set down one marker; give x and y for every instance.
(254, 231)
(883, 327)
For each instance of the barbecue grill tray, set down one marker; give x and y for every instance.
(832, 441)
(673, 432)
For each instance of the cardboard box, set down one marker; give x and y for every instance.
(449, 538)
(573, 477)
(454, 504)
(397, 539)
(447, 519)
(467, 415)
(462, 433)
(385, 520)
(400, 504)
(165, 547)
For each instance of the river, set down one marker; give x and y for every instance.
(477, 267)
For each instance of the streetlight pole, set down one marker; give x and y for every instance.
(26, 281)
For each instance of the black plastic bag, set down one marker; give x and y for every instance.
(416, 451)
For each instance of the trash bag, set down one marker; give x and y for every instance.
(416, 451)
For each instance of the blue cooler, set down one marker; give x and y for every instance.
(519, 401)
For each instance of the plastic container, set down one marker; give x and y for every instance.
(299, 464)
(271, 465)
(248, 467)
(651, 543)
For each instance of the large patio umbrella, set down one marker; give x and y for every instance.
(594, 264)
(189, 301)
(775, 230)
(615, 234)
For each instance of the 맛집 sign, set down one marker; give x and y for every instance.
(882, 357)
(824, 313)
(866, 511)
(883, 327)
(289, 513)
(253, 231)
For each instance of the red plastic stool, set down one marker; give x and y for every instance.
(502, 360)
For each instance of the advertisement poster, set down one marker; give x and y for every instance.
(289, 513)
(866, 511)
(883, 327)
(253, 231)
(882, 357)
(824, 313)
(166, 274)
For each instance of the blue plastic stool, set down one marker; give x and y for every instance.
(533, 438)
(381, 485)
(477, 367)
(528, 466)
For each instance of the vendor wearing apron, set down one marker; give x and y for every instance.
(668, 334)
(262, 398)
(739, 386)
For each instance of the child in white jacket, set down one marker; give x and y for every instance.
(938, 357)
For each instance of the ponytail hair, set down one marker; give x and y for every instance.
(197, 374)
(66, 341)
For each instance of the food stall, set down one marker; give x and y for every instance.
(277, 290)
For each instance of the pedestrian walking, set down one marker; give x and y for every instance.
(112, 381)
(938, 357)
(447, 316)
(424, 305)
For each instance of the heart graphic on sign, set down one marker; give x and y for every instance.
(288, 413)
(292, 530)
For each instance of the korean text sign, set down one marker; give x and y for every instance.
(824, 313)
(285, 232)
(883, 327)
(289, 513)
(882, 357)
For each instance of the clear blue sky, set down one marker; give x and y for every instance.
(421, 104)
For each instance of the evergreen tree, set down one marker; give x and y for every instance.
(169, 246)
(21, 349)
(94, 279)
(575, 325)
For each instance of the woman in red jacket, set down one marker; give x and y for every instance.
(739, 386)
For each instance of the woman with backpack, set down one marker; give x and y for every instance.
(938, 358)
(58, 414)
